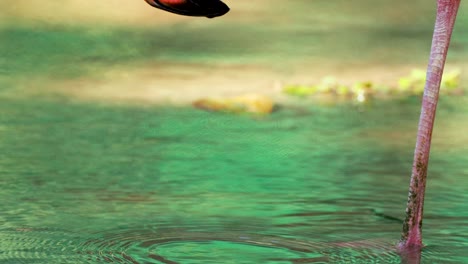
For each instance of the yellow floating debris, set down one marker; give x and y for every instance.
(300, 90)
(451, 82)
(252, 103)
(361, 91)
(414, 83)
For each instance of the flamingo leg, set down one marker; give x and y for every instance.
(412, 227)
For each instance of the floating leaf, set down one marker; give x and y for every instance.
(404, 84)
(300, 90)
(451, 80)
(343, 90)
(412, 84)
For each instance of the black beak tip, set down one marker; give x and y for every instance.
(220, 11)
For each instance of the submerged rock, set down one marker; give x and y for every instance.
(252, 104)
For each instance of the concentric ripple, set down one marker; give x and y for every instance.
(181, 246)
(28, 245)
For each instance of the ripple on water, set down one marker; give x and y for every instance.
(178, 245)
(28, 245)
(181, 246)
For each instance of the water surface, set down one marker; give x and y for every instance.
(85, 182)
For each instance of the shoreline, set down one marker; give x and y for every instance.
(182, 84)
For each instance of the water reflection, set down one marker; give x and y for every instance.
(412, 256)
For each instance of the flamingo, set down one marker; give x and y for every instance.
(411, 237)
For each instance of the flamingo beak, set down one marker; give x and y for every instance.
(206, 8)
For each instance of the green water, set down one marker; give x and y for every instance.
(285, 37)
(86, 182)
(83, 182)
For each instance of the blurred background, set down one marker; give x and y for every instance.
(128, 51)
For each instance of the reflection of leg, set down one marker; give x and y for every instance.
(412, 256)
(386, 216)
(412, 226)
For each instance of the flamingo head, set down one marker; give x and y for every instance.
(206, 8)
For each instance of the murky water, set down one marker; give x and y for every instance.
(105, 183)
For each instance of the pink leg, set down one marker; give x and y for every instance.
(412, 227)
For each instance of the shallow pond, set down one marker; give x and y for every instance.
(308, 184)
(88, 182)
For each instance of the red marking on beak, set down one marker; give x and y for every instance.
(207, 8)
(174, 3)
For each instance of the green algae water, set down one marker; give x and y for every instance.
(88, 182)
